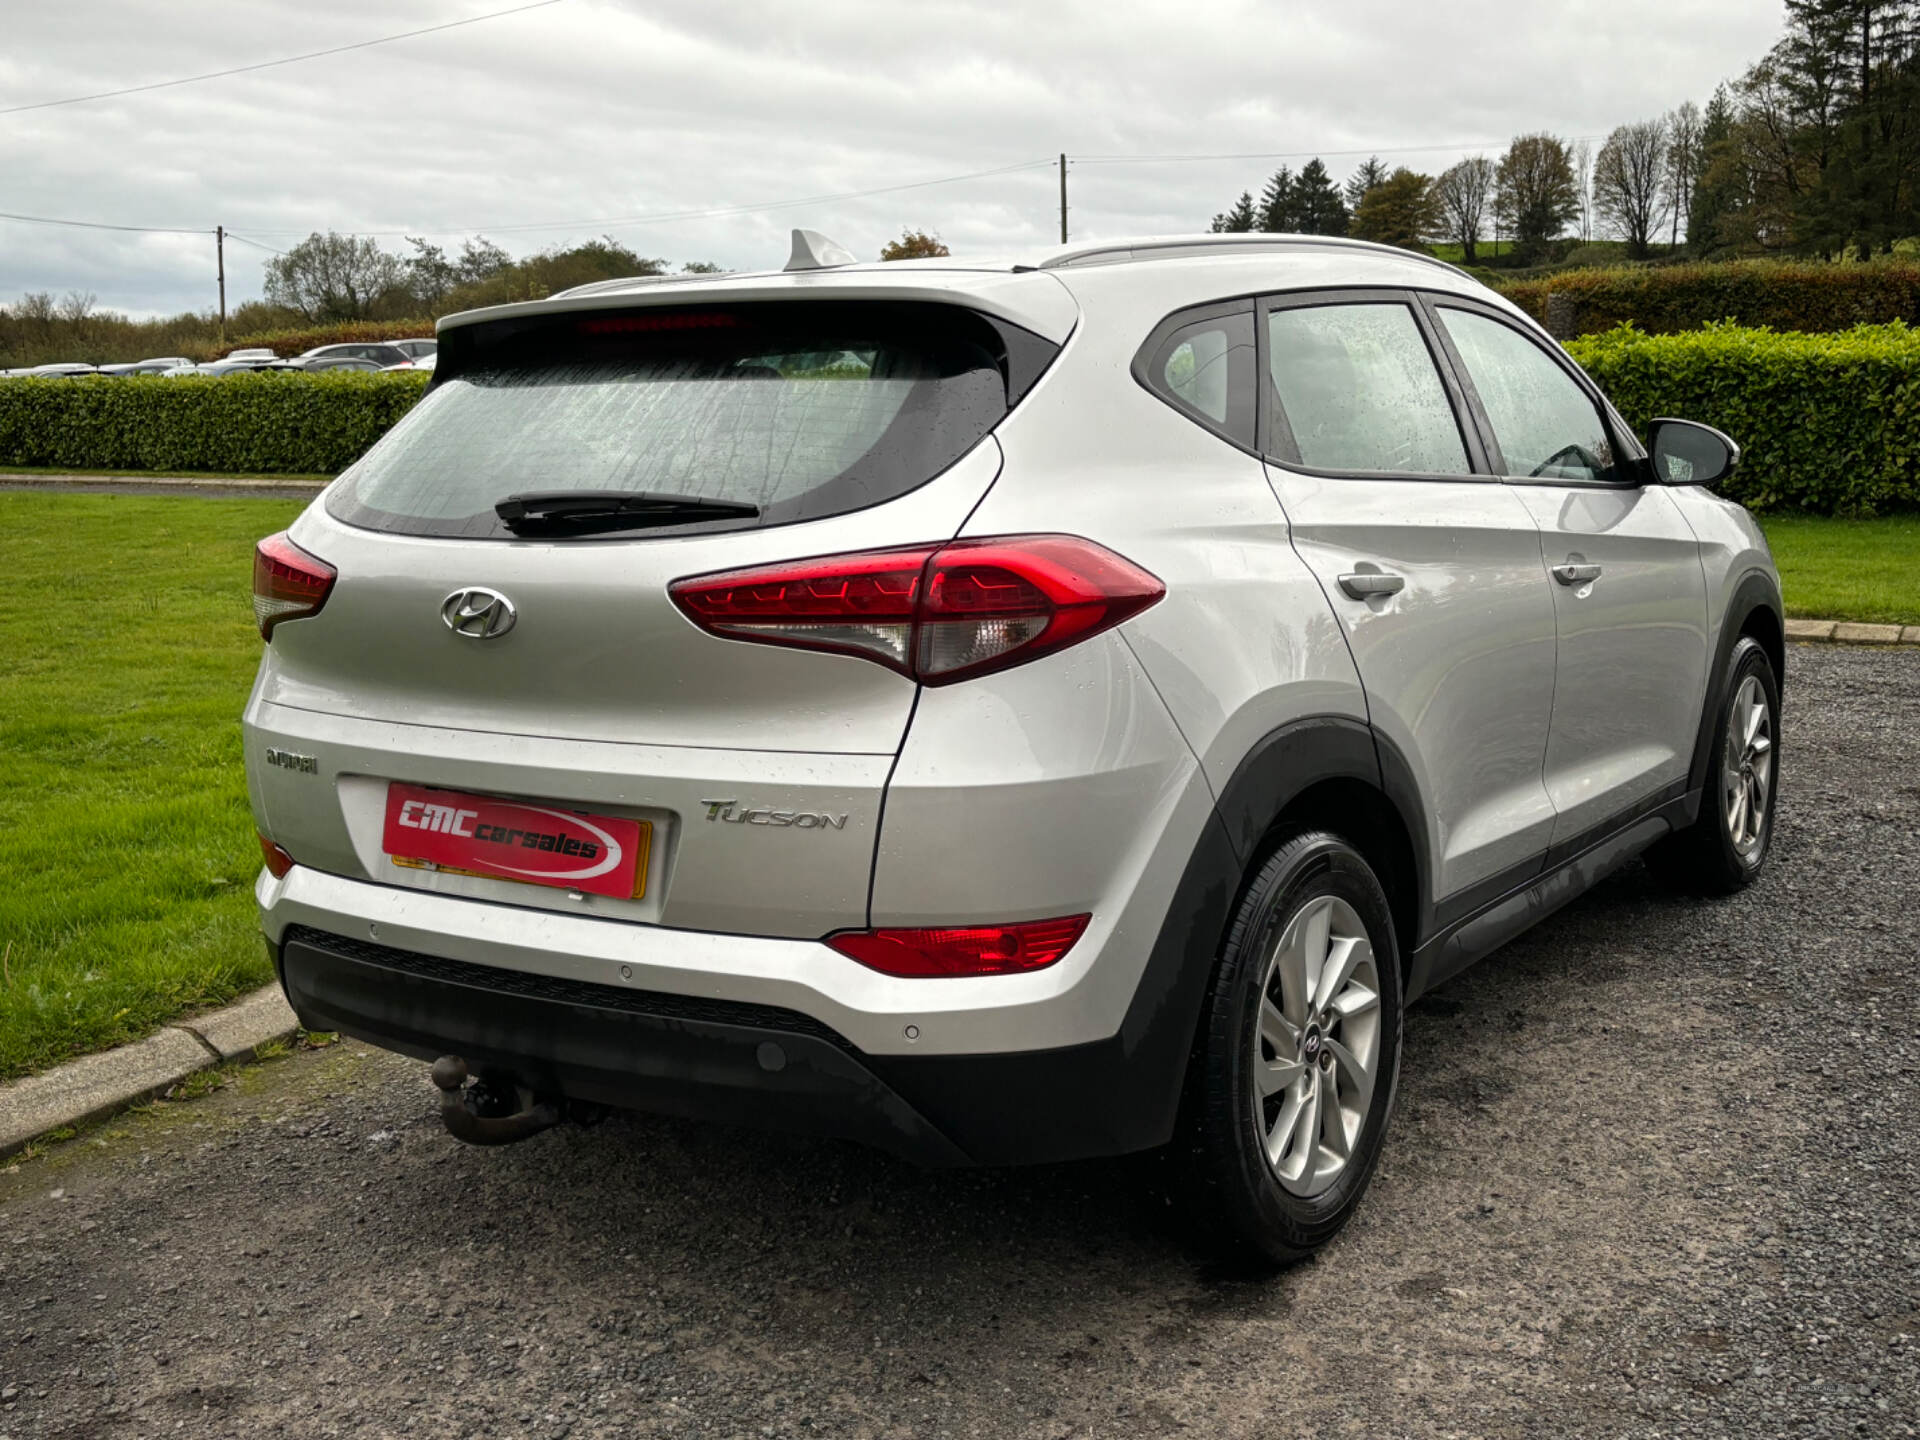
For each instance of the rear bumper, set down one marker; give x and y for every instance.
(729, 1061)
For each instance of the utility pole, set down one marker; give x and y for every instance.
(220, 261)
(1063, 199)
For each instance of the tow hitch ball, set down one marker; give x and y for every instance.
(488, 1113)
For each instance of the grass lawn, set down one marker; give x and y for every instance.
(127, 853)
(1848, 569)
(6, 470)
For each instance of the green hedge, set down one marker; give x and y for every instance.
(271, 424)
(288, 343)
(1664, 299)
(1829, 423)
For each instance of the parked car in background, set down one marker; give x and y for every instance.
(327, 363)
(425, 362)
(1002, 714)
(228, 366)
(158, 365)
(417, 348)
(381, 354)
(259, 354)
(72, 369)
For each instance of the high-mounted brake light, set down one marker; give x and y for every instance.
(935, 613)
(288, 583)
(962, 949)
(670, 320)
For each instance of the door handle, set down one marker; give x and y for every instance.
(1364, 585)
(1576, 572)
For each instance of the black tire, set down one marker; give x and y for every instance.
(1236, 1201)
(1707, 858)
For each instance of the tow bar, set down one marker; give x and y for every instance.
(486, 1113)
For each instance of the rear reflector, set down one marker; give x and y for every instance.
(279, 862)
(288, 583)
(962, 950)
(935, 613)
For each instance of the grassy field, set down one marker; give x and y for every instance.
(1848, 569)
(127, 645)
(126, 849)
(6, 470)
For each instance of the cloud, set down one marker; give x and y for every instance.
(608, 109)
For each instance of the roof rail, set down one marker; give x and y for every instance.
(1176, 247)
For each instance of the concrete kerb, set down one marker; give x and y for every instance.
(99, 1085)
(1848, 632)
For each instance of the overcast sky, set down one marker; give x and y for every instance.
(592, 116)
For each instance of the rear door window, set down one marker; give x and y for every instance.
(799, 409)
(1355, 388)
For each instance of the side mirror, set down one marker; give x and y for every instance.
(1685, 452)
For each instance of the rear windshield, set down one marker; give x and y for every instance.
(800, 409)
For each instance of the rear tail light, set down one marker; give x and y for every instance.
(962, 950)
(935, 613)
(279, 862)
(288, 583)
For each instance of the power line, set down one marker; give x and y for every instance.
(234, 235)
(1299, 154)
(101, 225)
(269, 64)
(558, 224)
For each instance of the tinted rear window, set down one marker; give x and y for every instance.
(802, 409)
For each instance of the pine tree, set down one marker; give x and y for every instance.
(1279, 208)
(1240, 219)
(1369, 175)
(1318, 208)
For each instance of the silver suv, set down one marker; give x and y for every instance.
(998, 712)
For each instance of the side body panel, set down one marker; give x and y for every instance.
(1633, 648)
(1459, 665)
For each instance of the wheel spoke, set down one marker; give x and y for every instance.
(1358, 1078)
(1277, 1030)
(1284, 1125)
(1306, 1132)
(1301, 950)
(1354, 1001)
(1344, 955)
(1273, 1076)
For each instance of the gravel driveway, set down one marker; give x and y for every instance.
(1653, 1173)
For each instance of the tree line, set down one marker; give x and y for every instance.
(1814, 150)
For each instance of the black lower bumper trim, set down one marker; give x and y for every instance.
(741, 1064)
(738, 1063)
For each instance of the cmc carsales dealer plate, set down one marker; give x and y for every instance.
(515, 840)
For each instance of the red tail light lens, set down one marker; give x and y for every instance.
(970, 950)
(288, 583)
(279, 862)
(936, 613)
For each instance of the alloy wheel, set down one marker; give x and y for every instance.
(1316, 1046)
(1747, 776)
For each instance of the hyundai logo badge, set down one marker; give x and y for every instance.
(478, 613)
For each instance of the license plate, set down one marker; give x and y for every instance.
(516, 840)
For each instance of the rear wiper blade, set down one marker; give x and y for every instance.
(613, 509)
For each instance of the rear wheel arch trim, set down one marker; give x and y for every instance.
(1157, 1036)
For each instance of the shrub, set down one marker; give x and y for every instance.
(1662, 299)
(1828, 423)
(274, 423)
